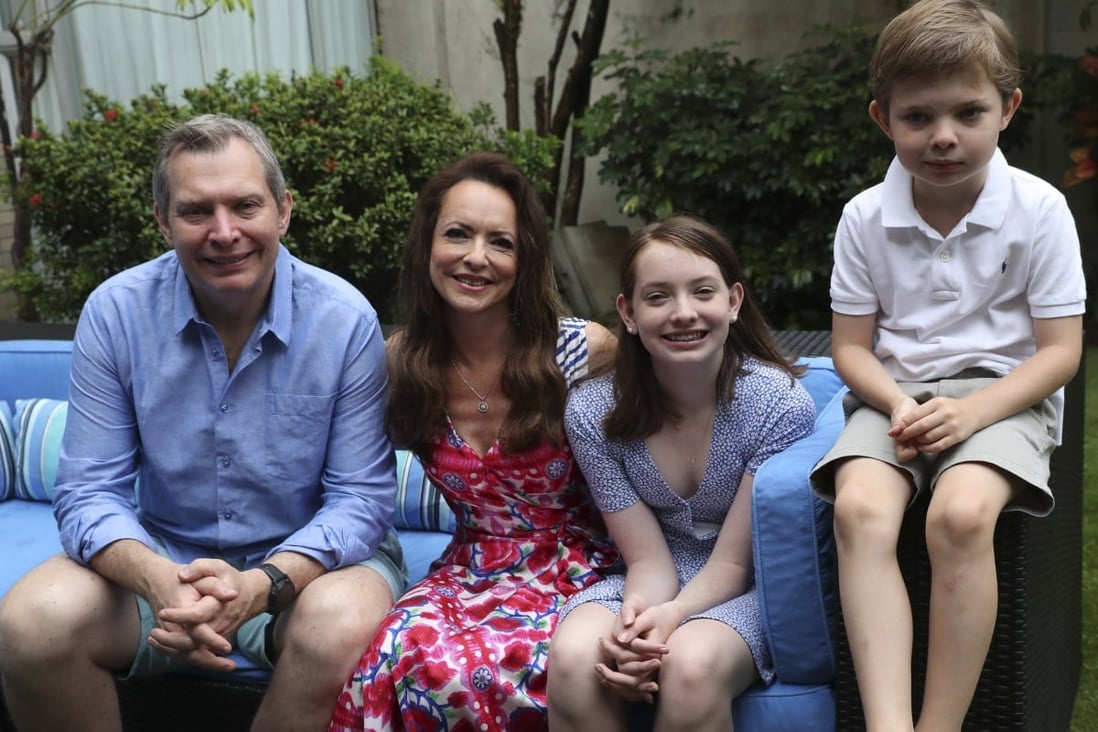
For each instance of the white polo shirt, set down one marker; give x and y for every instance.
(967, 300)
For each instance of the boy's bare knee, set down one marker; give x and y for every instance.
(858, 516)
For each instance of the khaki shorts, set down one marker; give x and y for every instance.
(1020, 445)
(388, 561)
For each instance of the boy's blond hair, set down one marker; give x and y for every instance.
(941, 38)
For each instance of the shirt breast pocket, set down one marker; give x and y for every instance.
(297, 428)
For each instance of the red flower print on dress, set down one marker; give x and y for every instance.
(465, 649)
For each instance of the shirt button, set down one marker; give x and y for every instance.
(946, 255)
(226, 461)
(227, 515)
(224, 408)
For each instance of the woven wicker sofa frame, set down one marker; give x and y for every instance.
(1029, 681)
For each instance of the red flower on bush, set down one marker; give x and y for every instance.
(338, 82)
(36, 134)
(110, 115)
(330, 164)
(1080, 121)
(1085, 167)
(35, 200)
(255, 110)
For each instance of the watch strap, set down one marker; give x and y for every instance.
(282, 589)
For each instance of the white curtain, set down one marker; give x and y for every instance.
(123, 52)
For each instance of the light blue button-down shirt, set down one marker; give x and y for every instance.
(287, 453)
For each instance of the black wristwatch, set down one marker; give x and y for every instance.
(282, 592)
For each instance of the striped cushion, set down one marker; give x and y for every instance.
(39, 424)
(419, 504)
(7, 453)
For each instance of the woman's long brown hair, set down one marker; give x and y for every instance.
(415, 413)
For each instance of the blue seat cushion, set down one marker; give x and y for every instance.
(783, 707)
(29, 534)
(779, 707)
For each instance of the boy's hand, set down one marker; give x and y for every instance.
(935, 425)
(902, 416)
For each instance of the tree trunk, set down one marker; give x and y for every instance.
(575, 97)
(507, 34)
(26, 85)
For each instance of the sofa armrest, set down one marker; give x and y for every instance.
(794, 549)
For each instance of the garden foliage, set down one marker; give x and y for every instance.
(769, 152)
(355, 151)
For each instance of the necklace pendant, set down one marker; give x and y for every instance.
(483, 407)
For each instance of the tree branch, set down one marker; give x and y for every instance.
(545, 111)
(587, 50)
(130, 6)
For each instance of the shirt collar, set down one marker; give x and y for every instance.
(278, 318)
(990, 210)
(280, 309)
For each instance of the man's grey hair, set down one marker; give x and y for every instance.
(211, 133)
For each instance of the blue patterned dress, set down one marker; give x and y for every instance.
(768, 414)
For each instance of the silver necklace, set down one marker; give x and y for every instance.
(482, 405)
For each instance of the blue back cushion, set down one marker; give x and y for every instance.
(34, 369)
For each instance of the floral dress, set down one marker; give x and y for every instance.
(466, 647)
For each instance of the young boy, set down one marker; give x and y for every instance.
(957, 295)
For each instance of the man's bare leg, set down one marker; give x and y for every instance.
(65, 633)
(320, 638)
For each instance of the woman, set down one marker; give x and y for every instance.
(700, 397)
(479, 375)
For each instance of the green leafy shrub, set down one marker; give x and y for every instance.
(355, 151)
(767, 152)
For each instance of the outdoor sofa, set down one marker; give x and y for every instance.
(1032, 673)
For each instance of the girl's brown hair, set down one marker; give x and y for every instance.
(641, 405)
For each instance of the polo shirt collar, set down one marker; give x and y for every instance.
(992, 205)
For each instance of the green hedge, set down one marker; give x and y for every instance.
(769, 152)
(355, 151)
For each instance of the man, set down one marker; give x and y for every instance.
(225, 478)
